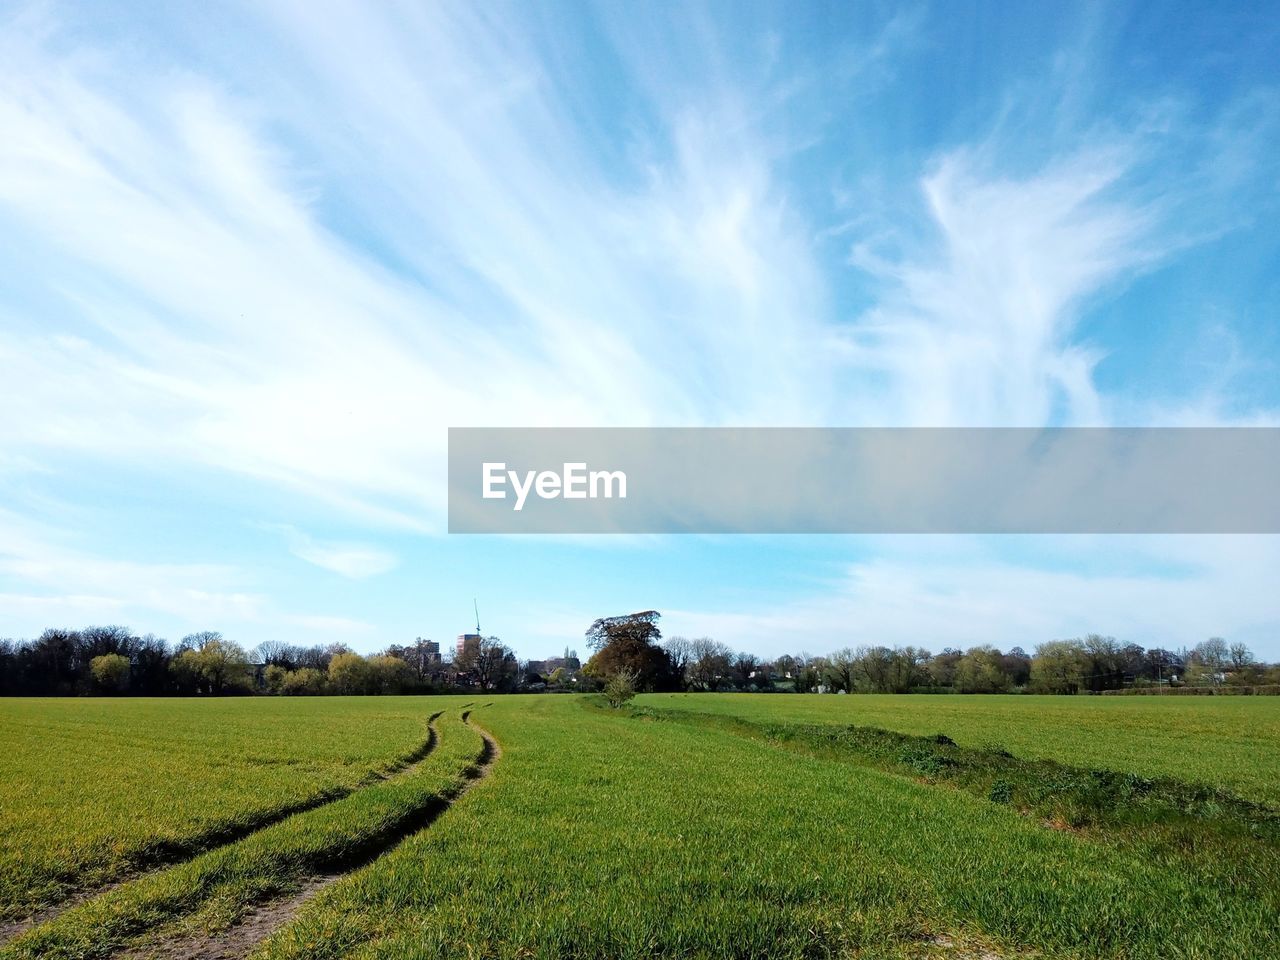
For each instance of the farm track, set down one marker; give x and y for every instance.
(255, 927)
(177, 853)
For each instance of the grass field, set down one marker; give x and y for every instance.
(94, 788)
(1231, 742)
(716, 826)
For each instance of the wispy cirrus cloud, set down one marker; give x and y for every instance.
(356, 561)
(219, 317)
(53, 574)
(51, 580)
(286, 251)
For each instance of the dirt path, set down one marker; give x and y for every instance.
(255, 927)
(405, 765)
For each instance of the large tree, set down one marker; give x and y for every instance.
(981, 670)
(490, 663)
(1058, 666)
(110, 672)
(642, 627)
(630, 644)
(211, 664)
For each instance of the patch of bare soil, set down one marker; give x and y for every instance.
(15, 927)
(946, 947)
(237, 941)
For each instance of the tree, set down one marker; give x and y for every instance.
(808, 672)
(1016, 665)
(907, 668)
(709, 665)
(305, 681)
(150, 675)
(196, 641)
(350, 674)
(942, 668)
(1103, 663)
(423, 657)
(1057, 666)
(278, 653)
(1241, 657)
(53, 662)
(630, 644)
(110, 672)
(634, 627)
(841, 669)
(981, 671)
(210, 664)
(97, 641)
(389, 674)
(679, 654)
(1213, 654)
(275, 675)
(489, 662)
(884, 669)
(1161, 665)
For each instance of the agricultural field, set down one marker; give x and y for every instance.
(94, 788)
(702, 826)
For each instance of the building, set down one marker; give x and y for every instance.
(429, 650)
(465, 640)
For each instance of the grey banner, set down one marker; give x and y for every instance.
(770, 480)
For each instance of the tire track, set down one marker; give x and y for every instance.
(178, 853)
(255, 927)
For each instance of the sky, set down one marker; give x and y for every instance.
(257, 258)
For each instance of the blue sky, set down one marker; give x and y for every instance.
(256, 259)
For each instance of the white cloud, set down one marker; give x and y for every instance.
(59, 576)
(302, 275)
(975, 324)
(355, 560)
(224, 325)
(56, 582)
(961, 591)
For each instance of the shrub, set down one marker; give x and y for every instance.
(924, 761)
(620, 688)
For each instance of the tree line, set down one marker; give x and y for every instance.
(633, 646)
(112, 660)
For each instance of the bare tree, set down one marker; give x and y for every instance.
(277, 652)
(1241, 656)
(679, 652)
(488, 662)
(709, 663)
(842, 667)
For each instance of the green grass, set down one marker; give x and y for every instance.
(735, 827)
(90, 789)
(604, 834)
(1227, 742)
(215, 888)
